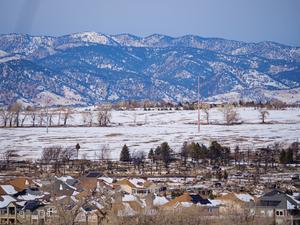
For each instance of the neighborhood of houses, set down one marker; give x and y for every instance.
(197, 185)
(96, 198)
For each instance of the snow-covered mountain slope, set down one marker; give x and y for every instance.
(89, 67)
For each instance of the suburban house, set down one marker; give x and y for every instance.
(8, 210)
(138, 187)
(190, 200)
(234, 202)
(278, 205)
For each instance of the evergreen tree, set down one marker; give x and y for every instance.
(157, 153)
(184, 152)
(282, 157)
(151, 154)
(289, 155)
(195, 151)
(165, 153)
(125, 155)
(215, 151)
(203, 152)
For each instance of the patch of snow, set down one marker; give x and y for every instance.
(244, 197)
(158, 200)
(6, 201)
(9, 189)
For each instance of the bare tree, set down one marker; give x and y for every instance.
(32, 114)
(229, 113)
(7, 156)
(205, 108)
(263, 115)
(67, 114)
(103, 115)
(68, 154)
(16, 109)
(4, 115)
(23, 116)
(277, 104)
(41, 117)
(52, 154)
(103, 153)
(59, 112)
(87, 118)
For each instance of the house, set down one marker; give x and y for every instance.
(8, 210)
(138, 187)
(230, 202)
(283, 208)
(89, 214)
(126, 205)
(190, 200)
(33, 212)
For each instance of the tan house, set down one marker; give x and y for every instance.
(234, 201)
(8, 210)
(138, 187)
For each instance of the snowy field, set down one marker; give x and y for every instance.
(142, 130)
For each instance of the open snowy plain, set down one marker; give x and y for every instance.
(142, 130)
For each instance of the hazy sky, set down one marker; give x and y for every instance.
(247, 20)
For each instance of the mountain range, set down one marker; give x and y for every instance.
(88, 68)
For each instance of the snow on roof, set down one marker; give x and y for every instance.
(184, 204)
(29, 197)
(106, 179)
(9, 189)
(139, 183)
(21, 203)
(244, 197)
(65, 178)
(160, 201)
(128, 198)
(215, 202)
(289, 205)
(6, 200)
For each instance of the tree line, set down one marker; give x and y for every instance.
(19, 115)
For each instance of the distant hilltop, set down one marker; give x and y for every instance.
(89, 67)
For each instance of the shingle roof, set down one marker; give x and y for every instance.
(32, 205)
(21, 183)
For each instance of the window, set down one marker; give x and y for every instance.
(50, 212)
(11, 210)
(41, 213)
(279, 213)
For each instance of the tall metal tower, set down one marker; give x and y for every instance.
(198, 103)
(47, 114)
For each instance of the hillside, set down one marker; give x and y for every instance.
(87, 68)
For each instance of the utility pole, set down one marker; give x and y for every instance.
(47, 114)
(198, 103)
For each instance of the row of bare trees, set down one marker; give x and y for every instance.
(101, 116)
(229, 113)
(17, 115)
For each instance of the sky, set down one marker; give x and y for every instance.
(244, 20)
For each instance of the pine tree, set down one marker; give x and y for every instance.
(282, 157)
(184, 152)
(165, 153)
(289, 155)
(151, 154)
(125, 155)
